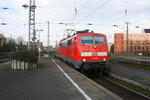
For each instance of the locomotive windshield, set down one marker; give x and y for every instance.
(92, 40)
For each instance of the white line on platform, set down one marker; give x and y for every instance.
(75, 84)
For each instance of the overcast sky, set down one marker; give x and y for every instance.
(102, 14)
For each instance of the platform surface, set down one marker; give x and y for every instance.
(49, 83)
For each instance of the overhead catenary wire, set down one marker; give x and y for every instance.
(82, 9)
(77, 11)
(135, 3)
(94, 11)
(75, 8)
(84, 5)
(125, 13)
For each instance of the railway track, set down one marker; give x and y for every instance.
(4, 56)
(122, 91)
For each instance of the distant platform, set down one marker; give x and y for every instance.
(138, 60)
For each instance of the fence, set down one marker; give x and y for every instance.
(132, 53)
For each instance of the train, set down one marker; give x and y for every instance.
(86, 51)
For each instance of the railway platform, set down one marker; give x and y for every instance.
(53, 80)
(136, 60)
(138, 75)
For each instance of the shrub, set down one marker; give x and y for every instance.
(146, 53)
(27, 56)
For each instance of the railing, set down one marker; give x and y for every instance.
(132, 53)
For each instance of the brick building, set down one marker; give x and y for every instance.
(137, 43)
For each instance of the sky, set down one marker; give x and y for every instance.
(75, 14)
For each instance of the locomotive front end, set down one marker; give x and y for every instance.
(94, 53)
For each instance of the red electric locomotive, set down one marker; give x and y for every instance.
(87, 51)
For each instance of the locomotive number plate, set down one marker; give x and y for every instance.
(94, 54)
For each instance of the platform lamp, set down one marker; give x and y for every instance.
(39, 47)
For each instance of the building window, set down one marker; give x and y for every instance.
(144, 38)
(130, 38)
(134, 42)
(143, 48)
(139, 48)
(139, 42)
(135, 37)
(146, 48)
(134, 48)
(139, 37)
(131, 47)
(143, 43)
(147, 42)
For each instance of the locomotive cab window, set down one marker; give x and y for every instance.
(61, 45)
(69, 42)
(92, 40)
(75, 40)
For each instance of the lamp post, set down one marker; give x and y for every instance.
(39, 47)
(127, 32)
(16, 48)
(48, 34)
(127, 37)
(32, 32)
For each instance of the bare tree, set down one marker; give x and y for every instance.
(3, 47)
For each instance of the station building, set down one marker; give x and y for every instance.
(138, 44)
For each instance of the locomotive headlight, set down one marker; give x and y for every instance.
(104, 59)
(84, 59)
(94, 46)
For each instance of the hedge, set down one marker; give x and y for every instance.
(27, 56)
